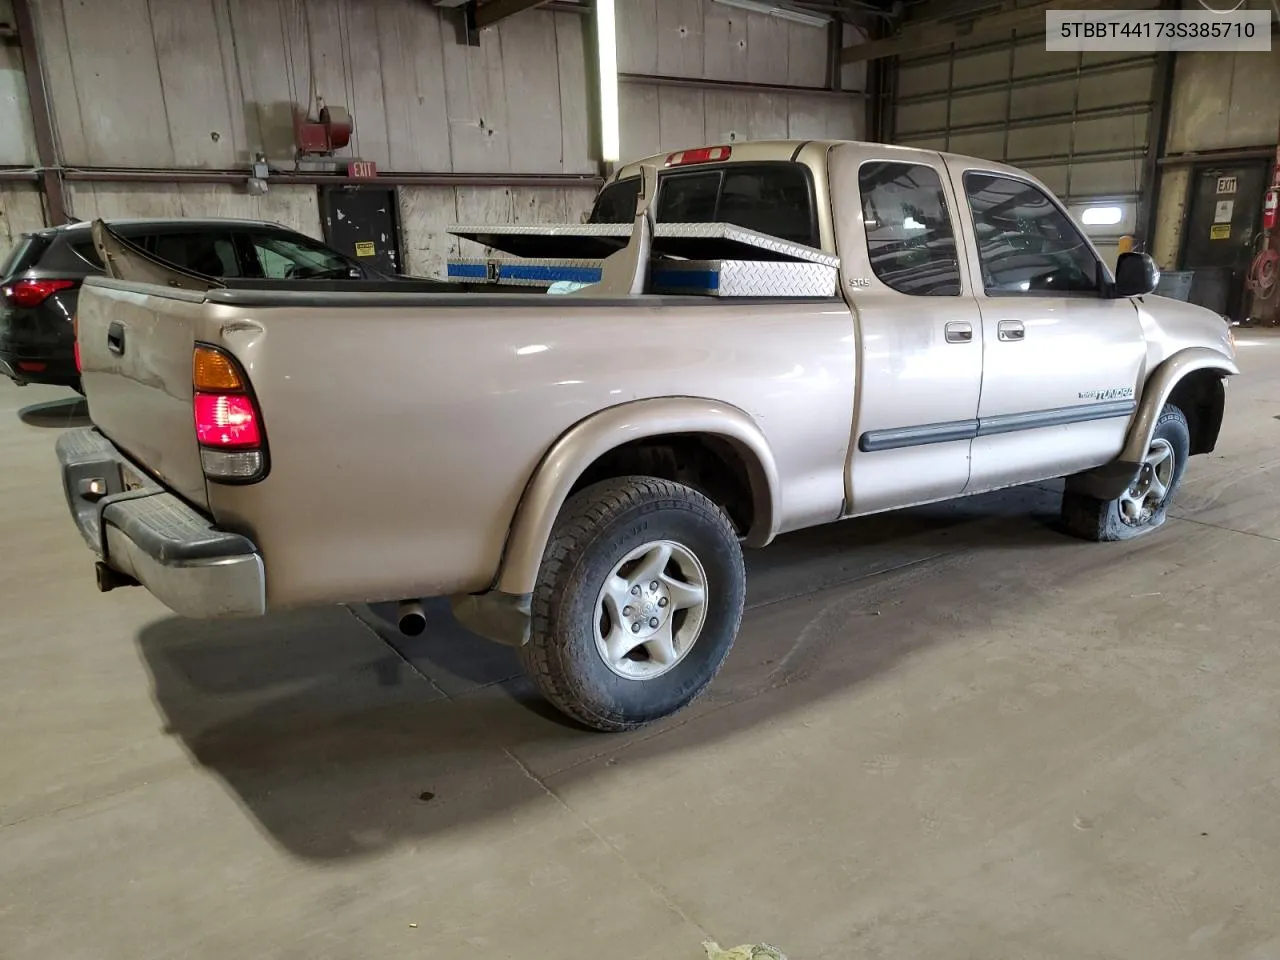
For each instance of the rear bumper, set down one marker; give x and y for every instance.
(21, 367)
(140, 531)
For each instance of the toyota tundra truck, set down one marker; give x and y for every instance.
(581, 472)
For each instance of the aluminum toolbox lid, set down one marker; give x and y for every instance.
(595, 241)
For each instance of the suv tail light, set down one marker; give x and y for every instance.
(32, 293)
(228, 422)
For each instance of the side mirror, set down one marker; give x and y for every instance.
(1136, 275)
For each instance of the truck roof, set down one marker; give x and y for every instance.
(756, 151)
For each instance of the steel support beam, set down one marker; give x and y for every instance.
(240, 177)
(743, 85)
(487, 14)
(1157, 133)
(932, 36)
(41, 113)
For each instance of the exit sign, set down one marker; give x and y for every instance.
(362, 170)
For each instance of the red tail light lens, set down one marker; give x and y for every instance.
(226, 421)
(32, 293)
(701, 155)
(228, 424)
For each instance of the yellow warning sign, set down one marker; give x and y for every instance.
(365, 248)
(1219, 231)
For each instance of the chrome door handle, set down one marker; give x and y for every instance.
(959, 331)
(1011, 330)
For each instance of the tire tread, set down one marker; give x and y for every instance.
(582, 518)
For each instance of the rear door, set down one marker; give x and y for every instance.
(918, 327)
(1062, 358)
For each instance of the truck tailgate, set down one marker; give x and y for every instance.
(136, 342)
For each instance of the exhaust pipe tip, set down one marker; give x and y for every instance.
(411, 618)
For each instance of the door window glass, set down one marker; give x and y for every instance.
(208, 254)
(285, 258)
(909, 235)
(1025, 243)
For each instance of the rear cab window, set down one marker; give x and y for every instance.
(775, 198)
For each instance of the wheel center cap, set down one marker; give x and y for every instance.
(649, 608)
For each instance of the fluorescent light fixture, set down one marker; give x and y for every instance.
(607, 55)
(1101, 216)
(782, 13)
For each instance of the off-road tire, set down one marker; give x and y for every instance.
(1100, 520)
(596, 529)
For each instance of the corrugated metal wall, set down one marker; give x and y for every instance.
(1077, 121)
(1219, 101)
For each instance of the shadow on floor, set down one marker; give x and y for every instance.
(332, 739)
(71, 412)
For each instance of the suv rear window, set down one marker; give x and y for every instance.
(773, 198)
(24, 254)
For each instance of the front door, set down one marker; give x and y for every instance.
(1063, 359)
(918, 327)
(364, 223)
(1222, 225)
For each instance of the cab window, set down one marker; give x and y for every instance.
(1026, 244)
(910, 239)
(773, 198)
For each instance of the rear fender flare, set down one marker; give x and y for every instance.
(589, 439)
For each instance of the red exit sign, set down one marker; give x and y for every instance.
(362, 170)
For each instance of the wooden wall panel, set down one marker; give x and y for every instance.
(533, 110)
(20, 212)
(416, 114)
(191, 72)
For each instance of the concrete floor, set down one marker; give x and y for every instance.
(950, 733)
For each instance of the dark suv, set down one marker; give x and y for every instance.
(40, 279)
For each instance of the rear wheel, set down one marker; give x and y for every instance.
(1143, 506)
(638, 601)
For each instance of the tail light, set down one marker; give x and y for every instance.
(683, 158)
(228, 422)
(32, 293)
(75, 341)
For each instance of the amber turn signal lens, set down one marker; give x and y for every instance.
(213, 370)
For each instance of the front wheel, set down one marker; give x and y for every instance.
(637, 603)
(1142, 507)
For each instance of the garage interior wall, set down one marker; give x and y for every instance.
(20, 206)
(1219, 102)
(175, 85)
(1078, 121)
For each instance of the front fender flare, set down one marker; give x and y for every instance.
(582, 444)
(1110, 480)
(1155, 394)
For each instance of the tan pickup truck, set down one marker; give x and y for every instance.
(579, 473)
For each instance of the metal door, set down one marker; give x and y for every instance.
(1062, 359)
(1223, 220)
(917, 324)
(364, 223)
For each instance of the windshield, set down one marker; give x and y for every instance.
(773, 198)
(292, 258)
